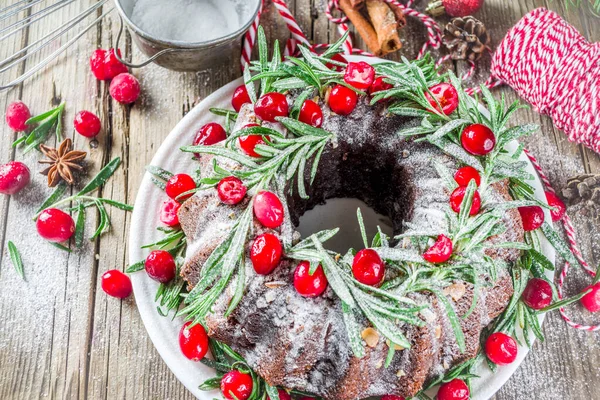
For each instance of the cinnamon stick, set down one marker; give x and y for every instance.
(385, 25)
(362, 25)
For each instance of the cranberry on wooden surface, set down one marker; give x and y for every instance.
(311, 114)
(236, 385)
(248, 143)
(360, 75)
(339, 58)
(501, 349)
(125, 88)
(17, 113)
(532, 217)
(457, 197)
(87, 124)
(440, 251)
(268, 209)
(309, 285)
(105, 65)
(559, 210)
(591, 301)
(240, 97)
(271, 105)
(537, 294)
(456, 389)
(391, 397)
(210, 134)
(464, 175)
(14, 176)
(446, 95)
(168, 212)
(379, 85)
(160, 265)
(283, 395)
(265, 253)
(193, 341)
(178, 184)
(478, 139)
(342, 100)
(55, 225)
(231, 190)
(116, 284)
(368, 268)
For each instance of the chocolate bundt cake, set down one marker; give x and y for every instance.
(301, 343)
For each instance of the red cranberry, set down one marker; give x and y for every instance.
(339, 58)
(456, 199)
(309, 285)
(17, 113)
(193, 341)
(440, 251)
(240, 97)
(446, 95)
(55, 225)
(311, 114)
(248, 143)
(231, 190)
(268, 209)
(105, 65)
(360, 75)
(478, 139)
(379, 85)
(178, 184)
(168, 212)
(559, 210)
(160, 266)
(591, 301)
(532, 217)
(456, 389)
(87, 124)
(210, 134)
(391, 397)
(271, 105)
(236, 385)
(283, 395)
(342, 100)
(125, 88)
(14, 176)
(501, 349)
(368, 268)
(265, 253)
(116, 284)
(464, 175)
(537, 294)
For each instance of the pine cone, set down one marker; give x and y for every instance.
(466, 38)
(582, 187)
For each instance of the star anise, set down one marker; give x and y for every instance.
(63, 160)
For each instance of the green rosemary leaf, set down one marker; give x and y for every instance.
(447, 128)
(117, 204)
(458, 152)
(310, 73)
(312, 60)
(290, 83)
(482, 234)
(221, 152)
(395, 254)
(490, 101)
(333, 274)
(386, 328)
(239, 289)
(315, 164)
(454, 320)
(61, 247)
(509, 245)
(335, 47)
(18, 141)
(300, 178)
(541, 259)
(299, 101)
(390, 356)
(159, 172)
(515, 169)
(465, 205)
(39, 135)
(559, 245)
(353, 330)
(80, 226)
(56, 195)
(301, 129)
(507, 205)
(565, 302)
(15, 258)
(263, 51)
(415, 131)
(223, 112)
(515, 133)
(211, 384)
(361, 224)
(445, 174)
(158, 183)
(322, 236)
(104, 223)
(59, 125)
(409, 112)
(138, 266)
(249, 85)
(272, 392)
(101, 177)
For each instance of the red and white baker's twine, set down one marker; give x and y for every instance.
(542, 57)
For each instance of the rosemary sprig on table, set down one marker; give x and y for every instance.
(47, 122)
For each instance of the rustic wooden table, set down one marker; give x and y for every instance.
(62, 337)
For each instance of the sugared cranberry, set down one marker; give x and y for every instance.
(271, 105)
(456, 389)
(168, 212)
(193, 341)
(236, 385)
(55, 225)
(532, 217)
(14, 176)
(379, 85)
(457, 197)
(501, 349)
(116, 284)
(591, 301)
(391, 397)
(231, 190)
(268, 209)
(440, 251)
(368, 268)
(283, 395)
(537, 294)
(265, 253)
(446, 95)
(309, 285)
(339, 58)
(210, 134)
(87, 124)
(160, 265)
(478, 139)
(17, 113)
(311, 114)
(360, 75)
(464, 175)
(105, 65)
(342, 100)
(240, 97)
(125, 88)
(559, 209)
(178, 184)
(248, 143)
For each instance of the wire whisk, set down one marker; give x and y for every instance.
(29, 12)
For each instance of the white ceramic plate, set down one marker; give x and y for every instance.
(163, 330)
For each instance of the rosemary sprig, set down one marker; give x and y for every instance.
(47, 122)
